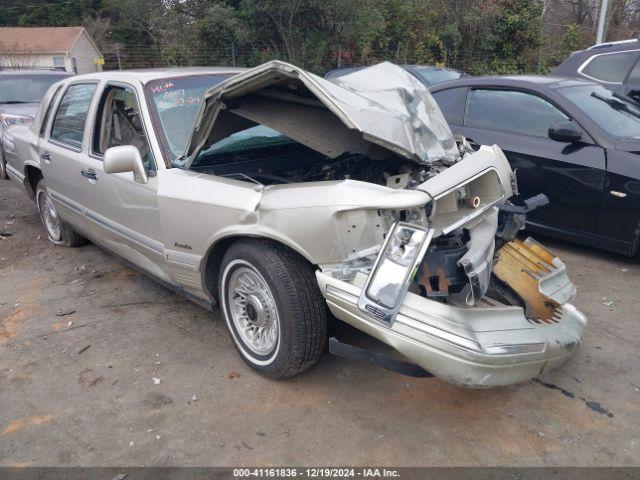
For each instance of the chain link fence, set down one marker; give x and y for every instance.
(556, 43)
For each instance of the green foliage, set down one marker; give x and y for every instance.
(480, 36)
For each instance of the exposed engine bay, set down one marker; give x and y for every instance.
(290, 162)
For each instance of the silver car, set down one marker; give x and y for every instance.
(287, 199)
(20, 94)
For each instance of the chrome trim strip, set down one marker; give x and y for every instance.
(70, 204)
(137, 238)
(617, 42)
(15, 173)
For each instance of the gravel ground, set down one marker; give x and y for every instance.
(101, 366)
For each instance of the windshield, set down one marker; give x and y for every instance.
(614, 115)
(176, 102)
(243, 142)
(432, 75)
(25, 88)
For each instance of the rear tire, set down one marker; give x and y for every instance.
(58, 231)
(3, 166)
(273, 307)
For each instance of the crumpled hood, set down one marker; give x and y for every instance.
(373, 111)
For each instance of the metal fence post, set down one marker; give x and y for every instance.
(233, 53)
(118, 57)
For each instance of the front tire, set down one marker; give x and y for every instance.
(58, 231)
(274, 310)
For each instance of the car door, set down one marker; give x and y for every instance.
(126, 210)
(572, 176)
(63, 151)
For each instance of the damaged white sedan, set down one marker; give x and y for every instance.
(274, 193)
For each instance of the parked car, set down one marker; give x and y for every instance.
(615, 65)
(275, 193)
(427, 74)
(20, 94)
(570, 139)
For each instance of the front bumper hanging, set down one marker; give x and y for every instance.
(477, 346)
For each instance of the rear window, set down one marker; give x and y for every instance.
(71, 116)
(47, 114)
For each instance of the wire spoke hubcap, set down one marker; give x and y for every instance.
(49, 216)
(253, 310)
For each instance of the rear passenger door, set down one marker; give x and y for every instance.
(572, 176)
(62, 152)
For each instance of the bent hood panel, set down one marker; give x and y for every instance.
(381, 105)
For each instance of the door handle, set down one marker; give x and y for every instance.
(45, 157)
(89, 174)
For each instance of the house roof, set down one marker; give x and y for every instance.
(39, 39)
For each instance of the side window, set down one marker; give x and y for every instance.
(611, 67)
(451, 102)
(47, 114)
(119, 123)
(71, 116)
(511, 111)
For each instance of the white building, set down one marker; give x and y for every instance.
(63, 48)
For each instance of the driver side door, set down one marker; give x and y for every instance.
(572, 176)
(126, 210)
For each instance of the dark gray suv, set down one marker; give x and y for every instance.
(615, 65)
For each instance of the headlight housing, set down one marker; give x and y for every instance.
(395, 266)
(10, 119)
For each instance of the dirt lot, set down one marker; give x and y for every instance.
(83, 337)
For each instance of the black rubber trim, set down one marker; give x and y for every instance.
(351, 352)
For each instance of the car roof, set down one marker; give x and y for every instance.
(9, 73)
(549, 81)
(148, 75)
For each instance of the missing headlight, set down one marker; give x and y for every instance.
(394, 269)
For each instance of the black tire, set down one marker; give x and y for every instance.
(61, 233)
(3, 166)
(301, 310)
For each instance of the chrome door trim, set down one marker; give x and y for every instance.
(130, 235)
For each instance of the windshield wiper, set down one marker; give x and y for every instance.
(618, 105)
(13, 102)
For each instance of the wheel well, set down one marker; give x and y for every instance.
(32, 176)
(215, 254)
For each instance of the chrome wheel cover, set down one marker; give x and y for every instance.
(253, 310)
(49, 216)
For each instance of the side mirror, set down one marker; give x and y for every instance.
(125, 158)
(565, 131)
